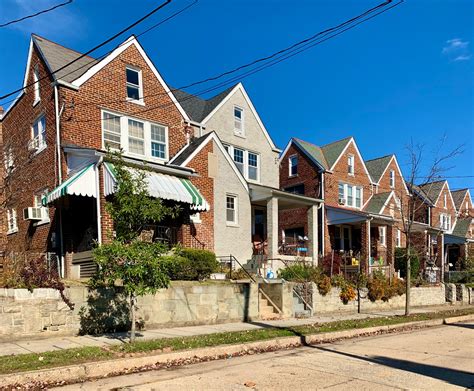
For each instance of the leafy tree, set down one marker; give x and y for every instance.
(126, 260)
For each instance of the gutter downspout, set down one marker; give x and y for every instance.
(369, 243)
(323, 212)
(99, 212)
(59, 168)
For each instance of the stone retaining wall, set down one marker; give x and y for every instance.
(421, 296)
(183, 303)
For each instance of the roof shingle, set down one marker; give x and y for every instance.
(333, 150)
(376, 167)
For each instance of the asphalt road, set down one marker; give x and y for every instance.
(440, 358)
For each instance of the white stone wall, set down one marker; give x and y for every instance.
(254, 140)
(229, 238)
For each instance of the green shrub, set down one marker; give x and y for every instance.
(203, 262)
(300, 272)
(401, 262)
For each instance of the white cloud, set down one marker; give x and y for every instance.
(457, 49)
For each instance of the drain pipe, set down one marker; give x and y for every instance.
(60, 176)
(97, 185)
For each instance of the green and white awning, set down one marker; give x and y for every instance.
(162, 186)
(82, 183)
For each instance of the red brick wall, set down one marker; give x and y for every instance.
(439, 209)
(33, 172)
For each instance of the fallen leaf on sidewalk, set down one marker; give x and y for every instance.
(250, 384)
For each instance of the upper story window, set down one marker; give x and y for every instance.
(134, 84)
(9, 159)
(445, 221)
(350, 164)
(248, 163)
(231, 209)
(398, 239)
(392, 178)
(238, 120)
(135, 137)
(12, 225)
(297, 189)
(350, 195)
(36, 85)
(383, 235)
(445, 201)
(38, 135)
(293, 165)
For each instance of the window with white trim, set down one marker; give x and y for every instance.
(398, 239)
(231, 209)
(38, 203)
(293, 165)
(238, 120)
(445, 201)
(350, 164)
(248, 163)
(38, 135)
(134, 136)
(36, 85)
(392, 179)
(350, 195)
(445, 221)
(8, 159)
(12, 225)
(134, 84)
(383, 236)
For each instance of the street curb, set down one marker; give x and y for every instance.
(100, 369)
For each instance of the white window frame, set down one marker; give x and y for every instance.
(38, 203)
(354, 189)
(12, 221)
(36, 85)
(350, 165)
(445, 201)
(398, 238)
(235, 222)
(230, 150)
(257, 179)
(124, 135)
(38, 142)
(239, 132)
(383, 236)
(392, 178)
(140, 99)
(445, 221)
(9, 160)
(291, 165)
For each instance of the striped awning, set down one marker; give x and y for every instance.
(82, 183)
(162, 186)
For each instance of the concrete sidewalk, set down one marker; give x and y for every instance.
(39, 345)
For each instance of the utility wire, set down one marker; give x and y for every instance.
(36, 14)
(288, 52)
(94, 48)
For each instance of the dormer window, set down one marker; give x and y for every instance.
(392, 179)
(36, 85)
(350, 164)
(134, 85)
(238, 120)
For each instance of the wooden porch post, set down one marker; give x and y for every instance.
(313, 234)
(272, 227)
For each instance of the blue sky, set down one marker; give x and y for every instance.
(406, 74)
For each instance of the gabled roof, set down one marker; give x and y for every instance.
(432, 190)
(377, 166)
(198, 108)
(377, 202)
(313, 152)
(188, 150)
(458, 197)
(57, 56)
(421, 194)
(333, 150)
(462, 227)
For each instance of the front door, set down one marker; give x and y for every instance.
(259, 224)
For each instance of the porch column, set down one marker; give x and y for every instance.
(272, 227)
(365, 242)
(442, 257)
(313, 234)
(390, 239)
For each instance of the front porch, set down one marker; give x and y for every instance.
(272, 247)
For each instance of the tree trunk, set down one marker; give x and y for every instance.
(133, 316)
(408, 283)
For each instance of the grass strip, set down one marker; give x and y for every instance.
(36, 361)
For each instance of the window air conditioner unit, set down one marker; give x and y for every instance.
(32, 213)
(342, 201)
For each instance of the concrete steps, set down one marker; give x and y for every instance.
(299, 308)
(267, 311)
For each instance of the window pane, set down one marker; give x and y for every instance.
(136, 143)
(136, 146)
(238, 155)
(237, 113)
(158, 133)
(253, 166)
(350, 198)
(341, 190)
(135, 128)
(293, 165)
(230, 209)
(132, 76)
(358, 196)
(158, 150)
(111, 126)
(133, 92)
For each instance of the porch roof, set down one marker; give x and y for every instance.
(162, 186)
(82, 183)
(336, 216)
(259, 194)
(453, 239)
